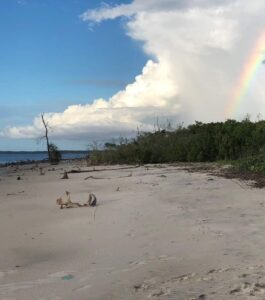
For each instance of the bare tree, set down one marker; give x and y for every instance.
(46, 136)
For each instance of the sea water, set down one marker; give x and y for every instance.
(24, 156)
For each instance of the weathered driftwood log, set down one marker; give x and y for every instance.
(65, 202)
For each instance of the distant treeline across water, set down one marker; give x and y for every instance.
(24, 156)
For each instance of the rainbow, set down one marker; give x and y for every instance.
(252, 65)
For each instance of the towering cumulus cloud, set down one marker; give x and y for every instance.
(199, 49)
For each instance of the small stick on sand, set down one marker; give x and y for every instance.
(65, 175)
(41, 171)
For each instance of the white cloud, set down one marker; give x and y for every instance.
(200, 48)
(151, 95)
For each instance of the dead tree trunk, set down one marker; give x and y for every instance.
(46, 136)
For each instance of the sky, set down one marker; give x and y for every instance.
(102, 70)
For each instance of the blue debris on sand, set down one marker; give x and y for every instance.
(68, 277)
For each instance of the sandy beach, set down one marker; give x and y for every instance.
(157, 233)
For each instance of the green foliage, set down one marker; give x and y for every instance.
(255, 163)
(55, 154)
(199, 142)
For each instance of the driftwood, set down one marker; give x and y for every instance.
(12, 194)
(101, 170)
(67, 203)
(42, 172)
(92, 200)
(92, 177)
(65, 175)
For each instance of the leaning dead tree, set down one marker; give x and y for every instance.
(46, 136)
(54, 154)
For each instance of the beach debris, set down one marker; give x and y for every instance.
(65, 175)
(101, 170)
(141, 287)
(12, 194)
(92, 177)
(118, 189)
(42, 172)
(92, 200)
(18, 178)
(201, 297)
(68, 277)
(137, 287)
(65, 202)
(159, 293)
(35, 166)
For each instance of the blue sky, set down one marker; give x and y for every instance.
(103, 70)
(51, 59)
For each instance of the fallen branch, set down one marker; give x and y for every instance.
(13, 194)
(67, 203)
(101, 170)
(92, 177)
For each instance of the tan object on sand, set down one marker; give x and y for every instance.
(67, 203)
(64, 202)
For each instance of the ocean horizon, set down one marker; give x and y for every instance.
(24, 156)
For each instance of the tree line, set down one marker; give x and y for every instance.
(200, 142)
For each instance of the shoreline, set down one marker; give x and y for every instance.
(32, 162)
(16, 162)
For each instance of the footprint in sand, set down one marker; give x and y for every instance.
(160, 292)
(185, 277)
(166, 258)
(7, 272)
(251, 289)
(137, 263)
(200, 297)
(219, 270)
(51, 278)
(50, 298)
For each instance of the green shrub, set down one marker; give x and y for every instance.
(255, 163)
(55, 154)
(200, 142)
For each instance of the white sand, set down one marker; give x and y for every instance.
(166, 234)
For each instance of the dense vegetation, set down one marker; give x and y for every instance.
(243, 142)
